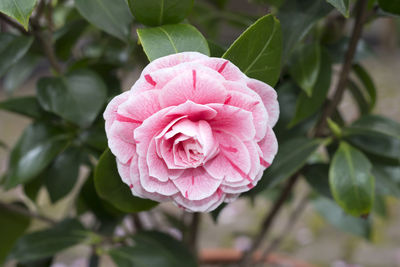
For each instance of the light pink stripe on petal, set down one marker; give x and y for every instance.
(268, 146)
(140, 106)
(111, 111)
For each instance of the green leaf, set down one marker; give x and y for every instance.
(391, 6)
(36, 148)
(317, 176)
(153, 249)
(27, 106)
(387, 180)
(48, 242)
(77, 97)
(12, 226)
(305, 67)
(335, 215)
(257, 51)
(20, 10)
(287, 161)
(159, 12)
(351, 182)
(12, 50)
(67, 36)
(62, 174)
(112, 17)
(170, 39)
(342, 5)
(110, 187)
(32, 188)
(368, 83)
(297, 18)
(359, 98)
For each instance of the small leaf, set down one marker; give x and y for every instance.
(342, 5)
(170, 39)
(20, 10)
(111, 16)
(160, 12)
(153, 249)
(45, 243)
(77, 97)
(110, 187)
(387, 180)
(257, 51)
(12, 50)
(351, 182)
(27, 106)
(358, 96)
(368, 83)
(36, 148)
(317, 176)
(67, 36)
(391, 6)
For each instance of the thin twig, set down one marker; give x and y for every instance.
(26, 213)
(13, 24)
(137, 222)
(193, 232)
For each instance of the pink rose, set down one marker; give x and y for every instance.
(193, 129)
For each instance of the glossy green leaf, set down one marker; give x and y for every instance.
(342, 5)
(287, 161)
(112, 17)
(160, 12)
(305, 67)
(36, 148)
(335, 216)
(12, 226)
(45, 243)
(391, 6)
(110, 187)
(77, 97)
(297, 17)
(170, 39)
(351, 181)
(67, 36)
(62, 174)
(27, 106)
(257, 51)
(20, 10)
(32, 188)
(12, 49)
(307, 106)
(317, 176)
(359, 97)
(153, 249)
(367, 82)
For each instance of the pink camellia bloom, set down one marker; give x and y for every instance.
(193, 130)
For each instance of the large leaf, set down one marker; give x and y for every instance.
(12, 226)
(297, 18)
(12, 49)
(45, 243)
(292, 155)
(20, 10)
(307, 106)
(36, 148)
(387, 179)
(111, 16)
(110, 187)
(153, 249)
(170, 39)
(317, 176)
(351, 181)
(62, 174)
(368, 83)
(77, 97)
(257, 51)
(359, 97)
(391, 6)
(159, 12)
(342, 5)
(27, 106)
(335, 215)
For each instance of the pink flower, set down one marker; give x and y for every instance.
(193, 130)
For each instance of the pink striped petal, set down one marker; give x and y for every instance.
(172, 60)
(140, 106)
(204, 205)
(193, 111)
(269, 148)
(120, 140)
(111, 111)
(228, 70)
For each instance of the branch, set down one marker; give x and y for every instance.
(137, 222)
(193, 232)
(26, 213)
(13, 24)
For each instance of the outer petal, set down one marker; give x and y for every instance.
(204, 205)
(172, 60)
(140, 106)
(269, 148)
(120, 140)
(228, 70)
(110, 113)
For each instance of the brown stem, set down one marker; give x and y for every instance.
(26, 213)
(193, 232)
(137, 222)
(13, 24)
(361, 11)
(269, 219)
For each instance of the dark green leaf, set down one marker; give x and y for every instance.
(153, 249)
(341, 5)
(62, 174)
(387, 180)
(305, 67)
(369, 85)
(391, 6)
(215, 213)
(27, 106)
(20, 10)
(215, 49)
(13, 50)
(351, 182)
(111, 16)
(317, 176)
(110, 187)
(159, 12)
(36, 148)
(335, 215)
(67, 36)
(170, 39)
(32, 188)
(77, 97)
(257, 51)
(48, 242)
(12, 225)
(380, 206)
(358, 96)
